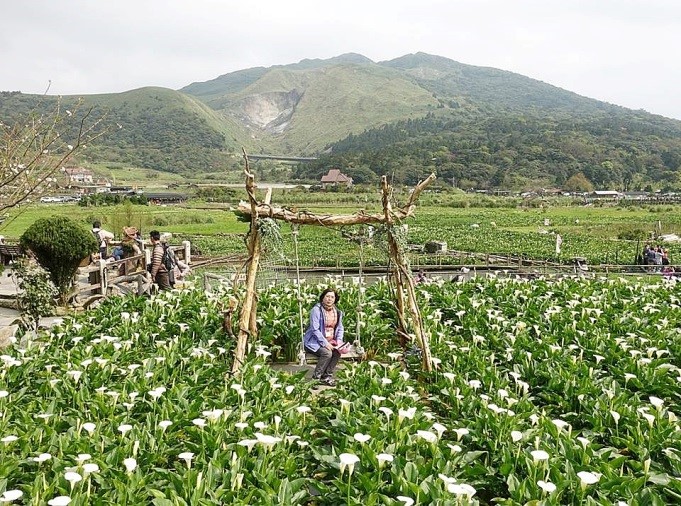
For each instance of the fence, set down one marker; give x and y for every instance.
(99, 278)
(9, 253)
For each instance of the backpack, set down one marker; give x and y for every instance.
(98, 237)
(168, 259)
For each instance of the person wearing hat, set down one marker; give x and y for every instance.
(133, 244)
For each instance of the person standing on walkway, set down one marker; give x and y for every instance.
(158, 271)
(324, 336)
(103, 237)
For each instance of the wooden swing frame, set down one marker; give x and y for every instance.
(408, 312)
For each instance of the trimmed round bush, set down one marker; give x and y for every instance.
(59, 244)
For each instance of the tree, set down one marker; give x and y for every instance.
(498, 179)
(361, 174)
(37, 144)
(578, 183)
(59, 244)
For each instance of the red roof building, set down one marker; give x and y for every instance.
(334, 177)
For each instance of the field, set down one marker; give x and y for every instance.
(544, 392)
(602, 235)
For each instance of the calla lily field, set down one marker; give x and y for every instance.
(549, 391)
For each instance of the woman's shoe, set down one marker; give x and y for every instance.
(329, 382)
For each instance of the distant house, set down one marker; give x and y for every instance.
(605, 194)
(161, 198)
(636, 195)
(336, 177)
(89, 189)
(78, 175)
(124, 190)
(551, 192)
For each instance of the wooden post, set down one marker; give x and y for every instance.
(187, 251)
(103, 284)
(404, 282)
(247, 308)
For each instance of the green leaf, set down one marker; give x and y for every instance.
(659, 479)
(156, 493)
(411, 472)
(163, 502)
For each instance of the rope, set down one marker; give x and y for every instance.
(301, 352)
(358, 341)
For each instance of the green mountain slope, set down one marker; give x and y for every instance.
(451, 80)
(300, 109)
(515, 150)
(474, 125)
(149, 127)
(235, 82)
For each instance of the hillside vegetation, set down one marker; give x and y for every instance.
(474, 126)
(156, 128)
(515, 150)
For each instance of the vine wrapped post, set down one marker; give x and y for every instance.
(249, 305)
(253, 325)
(404, 282)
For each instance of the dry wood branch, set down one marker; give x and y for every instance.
(307, 218)
(408, 209)
(358, 218)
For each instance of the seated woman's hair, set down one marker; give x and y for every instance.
(329, 290)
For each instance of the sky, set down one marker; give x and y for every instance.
(625, 52)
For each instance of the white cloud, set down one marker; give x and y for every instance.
(620, 51)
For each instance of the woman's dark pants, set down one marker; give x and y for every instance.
(326, 362)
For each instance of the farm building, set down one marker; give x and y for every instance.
(605, 194)
(78, 175)
(336, 177)
(165, 197)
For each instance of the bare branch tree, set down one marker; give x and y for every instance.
(34, 147)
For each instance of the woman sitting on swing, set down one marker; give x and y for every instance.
(324, 336)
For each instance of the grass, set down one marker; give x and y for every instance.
(170, 219)
(592, 232)
(122, 175)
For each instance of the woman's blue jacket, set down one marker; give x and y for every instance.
(314, 335)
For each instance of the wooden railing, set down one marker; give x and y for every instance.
(10, 252)
(101, 275)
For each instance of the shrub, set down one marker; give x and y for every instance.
(59, 244)
(36, 295)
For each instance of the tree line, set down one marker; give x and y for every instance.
(514, 150)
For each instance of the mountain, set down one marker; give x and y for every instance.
(302, 108)
(147, 127)
(473, 125)
(450, 79)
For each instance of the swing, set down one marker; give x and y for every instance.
(356, 350)
(408, 313)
